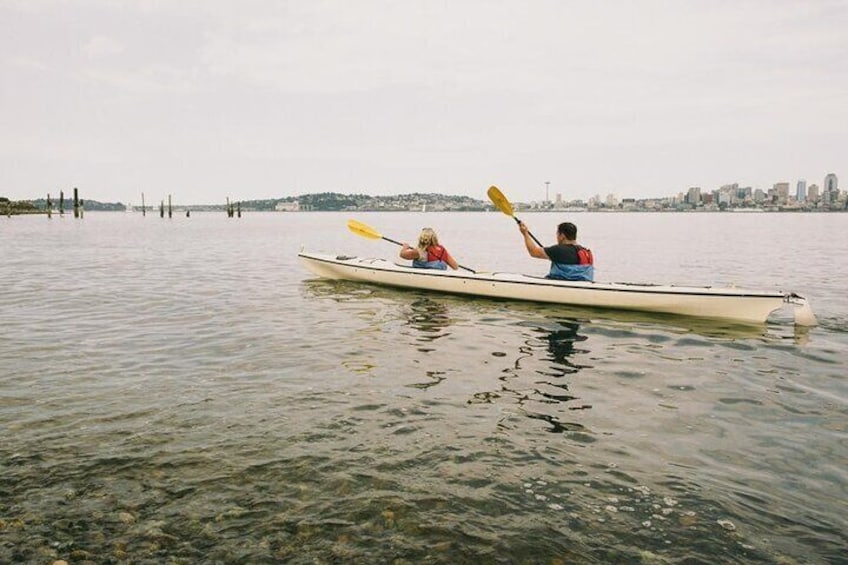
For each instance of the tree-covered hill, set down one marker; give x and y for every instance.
(92, 205)
(10, 207)
(321, 201)
(39, 206)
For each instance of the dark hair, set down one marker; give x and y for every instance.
(568, 229)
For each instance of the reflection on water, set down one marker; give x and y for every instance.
(544, 373)
(561, 342)
(781, 328)
(545, 356)
(540, 366)
(429, 318)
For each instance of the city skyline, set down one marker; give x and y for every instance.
(829, 184)
(206, 101)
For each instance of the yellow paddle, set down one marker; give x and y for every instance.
(502, 204)
(368, 232)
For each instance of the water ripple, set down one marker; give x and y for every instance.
(184, 391)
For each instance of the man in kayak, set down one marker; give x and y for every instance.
(569, 261)
(429, 254)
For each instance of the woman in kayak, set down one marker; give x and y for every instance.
(569, 261)
(429, 254)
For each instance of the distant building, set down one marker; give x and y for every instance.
(813, 193)
(628, 203)
(831, 184)
(801, 191)
(781, 189)
(693, 196)
(830, 189)
(288, 206)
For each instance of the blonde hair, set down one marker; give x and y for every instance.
(426, 239)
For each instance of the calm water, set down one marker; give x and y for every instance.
(182, 390)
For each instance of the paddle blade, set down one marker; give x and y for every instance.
(363, 230)
(499, 200)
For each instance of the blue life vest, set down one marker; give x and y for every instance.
(441, 265)
(571, 272)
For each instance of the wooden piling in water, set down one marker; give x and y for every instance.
(238, 205)
(161, 208)
(61, 202)
(49, 207)
(143, 209)
(169, 207)
(76, 203)
(81, 209)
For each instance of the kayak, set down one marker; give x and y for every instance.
(751, 306)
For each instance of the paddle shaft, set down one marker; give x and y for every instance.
(367, 231)
(399, 243)
(539, 243)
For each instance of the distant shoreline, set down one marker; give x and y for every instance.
(433, 202)
(181, 211)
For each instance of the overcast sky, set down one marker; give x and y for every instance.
(264, 99)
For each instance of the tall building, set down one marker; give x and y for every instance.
(782, 189)
(801, 191)
(813, 193)
(831, 184)
(830, 190)
(693, 197)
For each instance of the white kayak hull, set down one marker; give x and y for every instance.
(707, 302)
